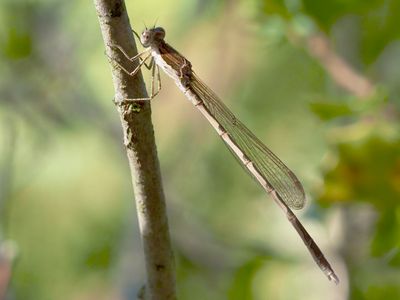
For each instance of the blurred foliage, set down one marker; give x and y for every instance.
(363, 160)
(243, 279)
(366, 171)
(65, 196)
(375, 20)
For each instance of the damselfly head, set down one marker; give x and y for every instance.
(152, 36)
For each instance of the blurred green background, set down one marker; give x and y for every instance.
(67, 218)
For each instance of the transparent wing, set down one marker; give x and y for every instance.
(281, 179)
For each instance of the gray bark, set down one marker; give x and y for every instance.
(142, 154)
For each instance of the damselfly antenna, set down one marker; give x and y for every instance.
(155, 22)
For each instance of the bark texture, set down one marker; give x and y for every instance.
(141, 151)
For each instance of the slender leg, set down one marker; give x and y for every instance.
(158, 80)
(133, 58)
(150, 65)
(135, 70)
(153, 66)
(155, 69)
(137, 56)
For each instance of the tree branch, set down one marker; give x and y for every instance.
(142, 154)
(341, 72)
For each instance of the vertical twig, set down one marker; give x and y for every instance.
(142, 155)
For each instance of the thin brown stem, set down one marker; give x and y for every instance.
(142, 154)
(343, 74)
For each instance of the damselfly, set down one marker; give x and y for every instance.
(266, 168)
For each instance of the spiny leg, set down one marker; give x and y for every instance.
(153, 66)
(142, 62)
(129, 101)
(150, 65)
(158, 79)
(133, 58)
(137, 56)
(135, 70)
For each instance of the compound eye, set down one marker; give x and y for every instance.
(159, 33)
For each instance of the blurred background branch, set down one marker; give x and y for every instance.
(8, 253)
(341, 72)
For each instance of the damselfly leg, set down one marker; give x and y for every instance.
(154, 68)
(132, 59)
(142, 61)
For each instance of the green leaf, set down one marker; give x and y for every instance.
(387, 235)
(395, 260)
(18, 44)
(241, 288)
(379, 28)
(326, 13)
(384, 291)
(273, 7)
(330, 110)
(367, 171)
